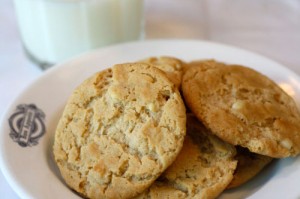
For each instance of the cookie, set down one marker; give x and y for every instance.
(173, 67)
(160, 190)
(249, 165)
(243, 107)
(120, 129)
(203, 169)
(198, 62)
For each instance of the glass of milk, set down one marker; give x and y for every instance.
(55, 30)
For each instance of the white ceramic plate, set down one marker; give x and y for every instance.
(26, 158)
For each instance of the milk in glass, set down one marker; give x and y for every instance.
(55, 30)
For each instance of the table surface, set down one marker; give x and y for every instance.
(271, 28)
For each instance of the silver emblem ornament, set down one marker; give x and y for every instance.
(27, 125)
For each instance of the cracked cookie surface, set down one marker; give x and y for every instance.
(120, 129)
(243, 107)
(173, 67)
(203, 168)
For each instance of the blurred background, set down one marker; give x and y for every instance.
(268, 27)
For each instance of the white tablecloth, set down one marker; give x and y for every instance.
(268, 27)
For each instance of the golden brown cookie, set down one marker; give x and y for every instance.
(203, 168)
(198, 62)
(249, 165)
(173, 67)
(243, 107)
(120, 129)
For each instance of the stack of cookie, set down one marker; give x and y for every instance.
(125, 132)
